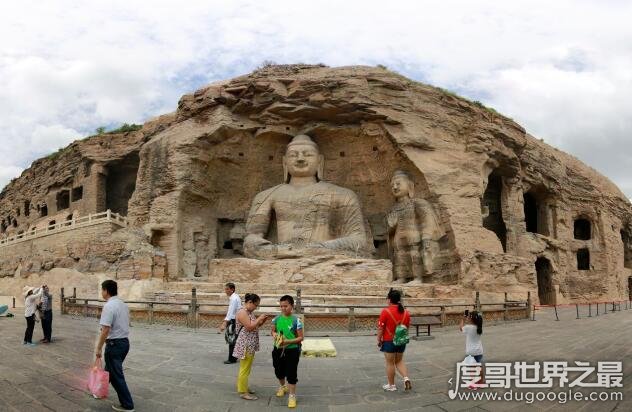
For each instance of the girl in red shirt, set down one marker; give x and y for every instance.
(391, 316)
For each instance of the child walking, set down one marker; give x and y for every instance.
(247, 342)
(472, 327)
(287, 332)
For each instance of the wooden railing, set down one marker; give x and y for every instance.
(83, 221)
(319, 317)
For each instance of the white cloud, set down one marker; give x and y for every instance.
(562, 69)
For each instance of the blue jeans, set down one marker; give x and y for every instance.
(115, 353)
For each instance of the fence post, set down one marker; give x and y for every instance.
(589, 310)
(556, 317)
(351, 326)
(477, 303)
(14, 302)
(506, 309)
(151, 313)
(597, 305)
(443, 316)
(193, 308)
(529, 303)
(299, 306)
(108, 215)
(613, 309)
(62, 303)
(605, 308)
(577, 309)
(74, 294)
(85, 308)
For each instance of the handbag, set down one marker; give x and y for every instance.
(98, 381)
(229, 334)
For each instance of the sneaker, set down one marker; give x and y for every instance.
(407, 384)
(291, 402)
(281, 391)
(31, 344)
(389, 388)
(121, 409)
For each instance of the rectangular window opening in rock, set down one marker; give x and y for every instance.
(63, 199)
(17, 211)
(120, 183)
(626, 238)
(27, 208)
(77, 193)
(582, 229)
(491, 205)
(583, 259)
(537, 213)
(43, 210)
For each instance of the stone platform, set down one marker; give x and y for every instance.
(175, 369)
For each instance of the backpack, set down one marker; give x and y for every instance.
(400, 335)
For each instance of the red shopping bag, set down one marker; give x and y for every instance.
(98, 381)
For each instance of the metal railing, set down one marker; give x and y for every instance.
(196, 314)
(590, 308)
(83, 221)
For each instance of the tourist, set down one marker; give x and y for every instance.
(390, 318)
(472, 326)
(287, 332)
(114, 334)
(31, 298)
(247, 342)
(229, 321)
(46, 309)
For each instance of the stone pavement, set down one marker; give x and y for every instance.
(176, 369)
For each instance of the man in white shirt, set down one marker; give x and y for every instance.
(114, 333)
(233, 306)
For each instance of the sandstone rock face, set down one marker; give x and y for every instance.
(515, 214)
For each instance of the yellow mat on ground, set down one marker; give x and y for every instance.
(319, 348)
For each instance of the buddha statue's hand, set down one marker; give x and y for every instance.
(391, 220)
(256, 241)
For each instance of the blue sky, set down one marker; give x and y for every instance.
(562, 69)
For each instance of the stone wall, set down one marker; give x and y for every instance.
(99, 247)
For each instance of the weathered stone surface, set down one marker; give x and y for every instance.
(516, 214)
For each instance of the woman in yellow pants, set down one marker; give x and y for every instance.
(247, 342)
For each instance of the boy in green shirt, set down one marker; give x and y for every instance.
(287, 331)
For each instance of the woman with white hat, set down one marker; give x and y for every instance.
(31, 296)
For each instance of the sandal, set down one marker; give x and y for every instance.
(248, 397)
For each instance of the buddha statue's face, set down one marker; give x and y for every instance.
(302, 160)
(401, 186)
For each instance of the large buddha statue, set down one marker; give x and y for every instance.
(305, 216)
(412, 231)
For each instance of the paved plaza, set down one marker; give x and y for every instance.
(177, 369)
